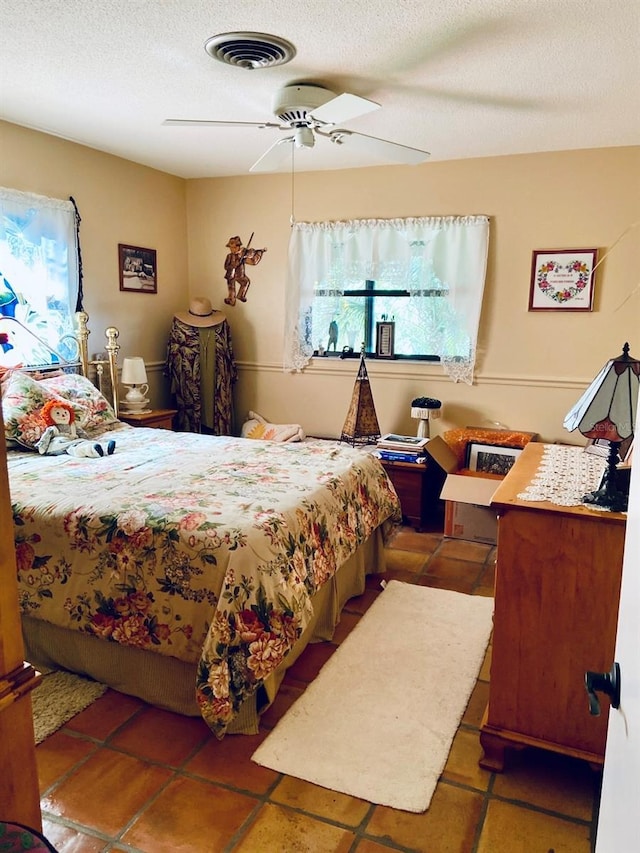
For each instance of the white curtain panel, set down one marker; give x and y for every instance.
(39, 274)
(440, 260)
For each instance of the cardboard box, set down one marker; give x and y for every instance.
(467, 508)
(467, 497)
(439, 450)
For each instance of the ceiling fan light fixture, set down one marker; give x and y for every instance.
(250, 50)
(304, 138)
(309, 109)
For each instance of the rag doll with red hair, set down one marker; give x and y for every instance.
(63, 436)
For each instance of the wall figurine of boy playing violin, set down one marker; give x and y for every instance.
(234, 268)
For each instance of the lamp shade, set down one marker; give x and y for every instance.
(607, 408)
(133, 371)
(425, 414)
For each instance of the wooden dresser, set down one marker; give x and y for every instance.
(557, 589)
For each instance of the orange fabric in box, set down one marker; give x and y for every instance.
(457, 439)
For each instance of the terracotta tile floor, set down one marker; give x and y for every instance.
(123, 776)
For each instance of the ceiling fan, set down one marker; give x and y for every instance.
(306, 111)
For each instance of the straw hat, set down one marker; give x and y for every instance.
(200, 313)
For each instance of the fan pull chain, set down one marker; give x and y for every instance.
(293, 188)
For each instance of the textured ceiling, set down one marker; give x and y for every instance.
(459, 78)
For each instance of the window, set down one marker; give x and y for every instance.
(349, 317)
(425, 275)
(39, 279)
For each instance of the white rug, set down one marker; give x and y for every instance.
(378, 721)
(59, 697)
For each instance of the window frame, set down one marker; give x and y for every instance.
(369, 295)
(40, 271)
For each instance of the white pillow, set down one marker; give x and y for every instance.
(257, 427)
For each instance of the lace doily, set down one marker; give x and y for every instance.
(565, 474)
(460, 370)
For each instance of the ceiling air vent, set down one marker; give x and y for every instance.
(250, 50)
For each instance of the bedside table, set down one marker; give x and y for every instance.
(418, 485)
(157, 418)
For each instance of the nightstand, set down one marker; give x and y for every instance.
(418, 485)
(157, 418)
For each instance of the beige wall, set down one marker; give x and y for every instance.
(531, 368)
(119, 202)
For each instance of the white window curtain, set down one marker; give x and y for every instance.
(39, 278)
(440, 258)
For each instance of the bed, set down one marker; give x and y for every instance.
(188, 570)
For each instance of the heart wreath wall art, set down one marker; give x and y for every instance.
(552, 280)
(562, 279)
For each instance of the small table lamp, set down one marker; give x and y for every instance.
(425, 409)
(134, 376)
(607, 411)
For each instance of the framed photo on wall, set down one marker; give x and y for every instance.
(138, 271)
(385, 339)
(562, 280)
(491, 458)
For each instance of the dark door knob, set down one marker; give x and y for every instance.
(603, 682)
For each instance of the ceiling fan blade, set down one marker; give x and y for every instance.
(176, 122)
(275, 156)
(343, 108)
(383, 148)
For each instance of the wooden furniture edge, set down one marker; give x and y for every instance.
(141, 416)
(19, 788)
(520, 477)
(495, 741)
(18, 682)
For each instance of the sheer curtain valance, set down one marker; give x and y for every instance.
(441, 261)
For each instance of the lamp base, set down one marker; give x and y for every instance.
(608, 496)
(423, 429)
(613, 500)
(425, 414)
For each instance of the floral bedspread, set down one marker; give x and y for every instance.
(207, 548)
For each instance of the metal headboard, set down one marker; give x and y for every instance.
(98, 364)
(80, 360)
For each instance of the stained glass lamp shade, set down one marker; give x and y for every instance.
(607, 410)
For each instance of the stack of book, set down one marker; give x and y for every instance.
(401, 448)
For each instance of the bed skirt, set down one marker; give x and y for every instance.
(169, 683)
